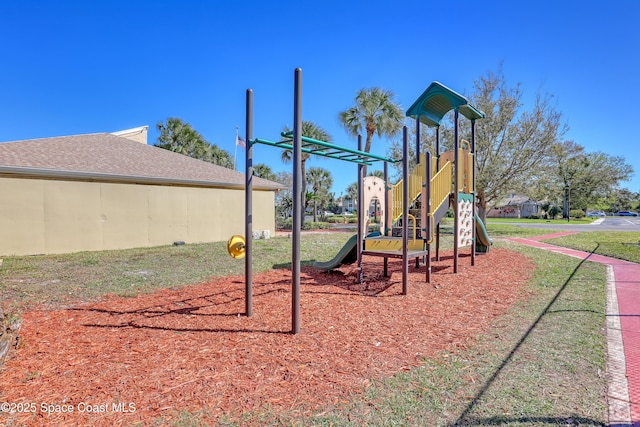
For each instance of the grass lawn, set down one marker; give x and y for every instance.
(58, 280)
(506, 230)
(622, 245)
(542, 364)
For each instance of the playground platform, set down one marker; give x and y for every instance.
(623, 330)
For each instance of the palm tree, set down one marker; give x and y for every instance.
(262, 170)
(375, 112)
(178, 136)
(310, 130)
(219, 156)
(320, 181)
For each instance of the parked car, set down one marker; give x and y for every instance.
(596, 214)
(626, 213)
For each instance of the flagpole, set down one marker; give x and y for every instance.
(235, 152)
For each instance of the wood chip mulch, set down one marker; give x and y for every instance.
(192, 349)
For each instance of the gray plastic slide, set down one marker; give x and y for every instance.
(483, 241)
(347, 255)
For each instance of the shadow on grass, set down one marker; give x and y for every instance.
(554, 421)
(464, 419)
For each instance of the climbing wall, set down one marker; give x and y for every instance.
(465, 222)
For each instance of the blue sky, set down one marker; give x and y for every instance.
(73, 67)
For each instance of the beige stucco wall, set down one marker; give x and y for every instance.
(40, 216)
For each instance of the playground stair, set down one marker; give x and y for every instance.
(416, 178)
(441, 186)
(441, 183)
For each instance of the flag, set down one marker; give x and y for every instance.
(240, 141)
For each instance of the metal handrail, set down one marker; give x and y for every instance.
(431, 227)
(414, 227)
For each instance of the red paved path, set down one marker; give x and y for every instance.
(627, 284)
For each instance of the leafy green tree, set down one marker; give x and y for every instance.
(332, 204)
(427, 139)
(512, 144)
(283, 198)
(375, 111)
(603, 175)
(262, 170)
(586, 178)
(310, 130)
(571, 164)
(310, 197)
(554, 211)
(178, 136)
(320, 182)
(622, 200)
(218, 156)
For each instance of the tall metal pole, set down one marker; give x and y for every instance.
(405, 211)
(388, 207)
(456, 168)
(297, 198)
(568, 201)
(473, 194)
(387, 213)
(438, 147)
(361, 218)
(438, 169)
(418, 163)
(417, 140)
(429, 215)
(248, 206)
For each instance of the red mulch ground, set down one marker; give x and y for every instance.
(189, 349)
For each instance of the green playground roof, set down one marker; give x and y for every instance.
(437, 101)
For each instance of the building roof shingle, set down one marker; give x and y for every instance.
(104, 156)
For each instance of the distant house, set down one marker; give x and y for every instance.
(113, 191)
(515, 206)
(347, 205)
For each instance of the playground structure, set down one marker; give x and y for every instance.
(433, 186)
